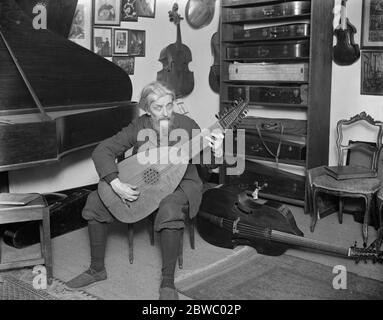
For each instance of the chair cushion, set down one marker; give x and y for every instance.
(361, 185)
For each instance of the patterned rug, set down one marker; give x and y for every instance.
(258, 277)
(18, 285)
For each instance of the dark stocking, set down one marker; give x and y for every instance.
(170, 249)
(97, 236)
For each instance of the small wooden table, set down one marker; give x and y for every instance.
(35, 210)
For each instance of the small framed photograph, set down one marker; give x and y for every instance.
(372, 24)
(120, 41)
(107, 12)
(81, 29)
(372, 73)
(102, 41)
(129, 10)
(125, 63)
(146, 8)
(136, 43)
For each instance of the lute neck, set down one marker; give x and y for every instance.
(196, 144)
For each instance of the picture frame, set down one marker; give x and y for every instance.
(102, 41)
(371, 72)
(125, 62)
(129, 10)
(81, 29)
(372, 24)
(120, 41)
(106, 12)
(146, 8)
(137, 43)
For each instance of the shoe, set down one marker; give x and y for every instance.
(86, 279)
(167, 293)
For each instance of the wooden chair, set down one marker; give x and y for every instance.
(379, 197)
(150, 227)
(36, 210)
(364, 188)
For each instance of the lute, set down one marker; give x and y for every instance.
(160, 175)
(229, 217)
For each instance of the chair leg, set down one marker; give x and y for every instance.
(340, 212)
(130, 242)
(180, 257)
(366, 220)
(150, 226)
(380, 231)
(46, 244)
(191, 233)
(315, 212)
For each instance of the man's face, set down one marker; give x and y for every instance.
(161, 111)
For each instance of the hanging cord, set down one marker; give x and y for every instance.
(275, 155)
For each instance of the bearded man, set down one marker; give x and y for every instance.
(158, 102)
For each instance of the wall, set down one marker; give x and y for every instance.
(346, 100)
(77, 169)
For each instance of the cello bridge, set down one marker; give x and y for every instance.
(235, 226)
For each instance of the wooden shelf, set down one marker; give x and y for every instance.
(249, 41)
(319, 62)
(270, 19)
(268, 104)
(268, 60)
(248, 82)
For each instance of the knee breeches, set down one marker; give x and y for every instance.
(170, 214)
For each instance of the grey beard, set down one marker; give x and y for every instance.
(162, 133)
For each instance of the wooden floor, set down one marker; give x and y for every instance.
(140, 280)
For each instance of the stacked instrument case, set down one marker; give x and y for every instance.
(65, 216)
(276, 54)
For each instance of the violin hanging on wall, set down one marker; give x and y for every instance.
(346, 51)
(214, 74)
(175, 59)
(199, 13)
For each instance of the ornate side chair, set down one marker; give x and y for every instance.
(379, 197)
(364, 188)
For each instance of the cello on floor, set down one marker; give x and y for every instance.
(229, 217)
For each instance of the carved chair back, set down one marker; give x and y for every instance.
(373, 149)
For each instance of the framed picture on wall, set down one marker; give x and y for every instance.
(146, 8)
(81, 29)
(136, 43)
(126, 63)
(372, 24)
(372, 72)
(102, 41)
(129, 10)
(107, 12)
(120, 41)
